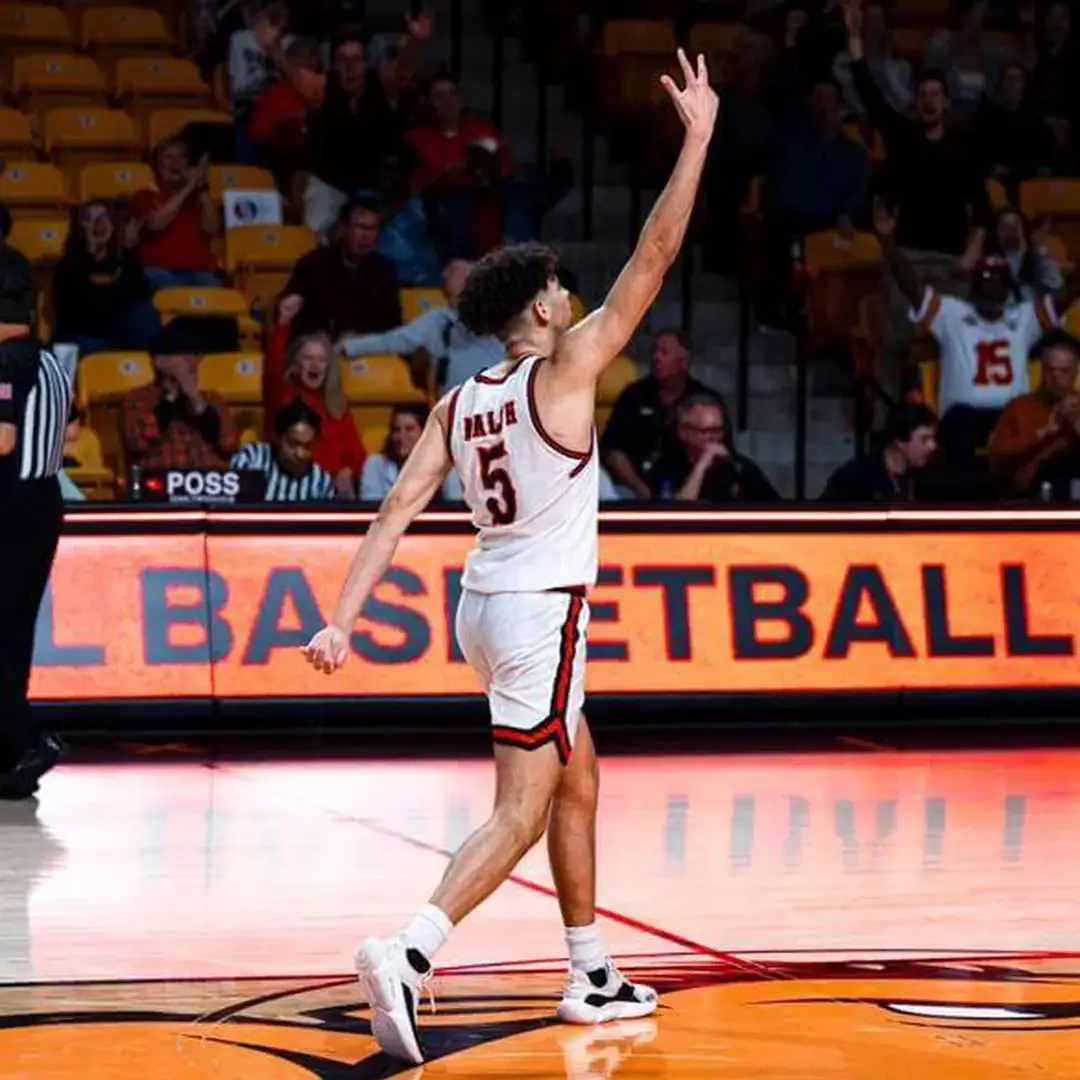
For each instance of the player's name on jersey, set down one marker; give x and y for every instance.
(492, 422)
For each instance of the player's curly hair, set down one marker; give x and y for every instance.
(502, 285)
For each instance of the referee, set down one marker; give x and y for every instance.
(35, 403)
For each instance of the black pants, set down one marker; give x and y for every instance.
(30, 530)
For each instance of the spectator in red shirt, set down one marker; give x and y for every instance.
(442, 145)
(279, 123)
(347, 287)
(177, 221)
(308, 369)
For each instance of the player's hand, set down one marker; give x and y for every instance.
(327, 650)
(697, 104)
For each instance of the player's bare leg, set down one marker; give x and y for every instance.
(572, 833)
(392, 972)
(525, 784)
(596, 991)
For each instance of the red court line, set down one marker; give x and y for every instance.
(545, 890)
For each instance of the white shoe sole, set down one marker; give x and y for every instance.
(578, 1012)
(391, 1020)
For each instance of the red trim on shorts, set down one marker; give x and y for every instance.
(582, 456)
(451, 409)
(553, 730)
(553, 727)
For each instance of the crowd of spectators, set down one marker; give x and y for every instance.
(836, 120)
(380, 156)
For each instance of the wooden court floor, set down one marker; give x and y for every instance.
(835, 916)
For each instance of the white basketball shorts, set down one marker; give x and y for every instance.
(529, 651)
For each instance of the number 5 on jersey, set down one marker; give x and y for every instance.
(502, 503)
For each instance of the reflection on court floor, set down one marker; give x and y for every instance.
(848, 915)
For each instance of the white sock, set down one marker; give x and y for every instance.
(587, 951)
(428, 930)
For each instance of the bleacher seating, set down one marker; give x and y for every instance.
(34, 189)
(374, 384)
(238, 378)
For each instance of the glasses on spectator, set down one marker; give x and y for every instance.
(706, 429)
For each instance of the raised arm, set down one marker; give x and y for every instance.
(424, 332)
(911, 285)
(423, 474)
(593, 343)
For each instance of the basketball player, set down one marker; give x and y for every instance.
(521, 436)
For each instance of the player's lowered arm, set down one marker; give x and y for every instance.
(595, 341)
(423, 473)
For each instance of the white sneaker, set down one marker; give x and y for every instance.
(392, 977)
(602, 995)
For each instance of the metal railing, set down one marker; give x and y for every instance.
(540, 53)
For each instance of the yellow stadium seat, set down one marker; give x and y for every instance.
(603, 415)
(269, 247)
(165, 123)
(160, 76)
(237, 377)
(374, 438)
(826, 251)
(929, 373)
(876, 149)
(1055, 246)
(621, 36)
(1051, 195)
(910, 42)
(113, 180)
(86, 449)
(109, 376)
(383, 380)
(213, 301)
(577, 309)
(34, 189)
(103, 27)
(191, 301)
(34, 24)
(1059, 199)
(238, 177)
(1071, 321)
(44, 75)
(415, 302)
(616, 377)
(16, 137)
(841, 272)
(91, 474)
(249, 436)
(996, 195)
(41, 240)
(72, 130)
(221, 86)
(44, 308)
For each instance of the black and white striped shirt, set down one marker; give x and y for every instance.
(36, 393)
(315, 486)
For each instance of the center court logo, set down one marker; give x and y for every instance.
(859, 1020)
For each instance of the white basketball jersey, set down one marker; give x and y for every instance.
(534, 502)
(983, 364)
